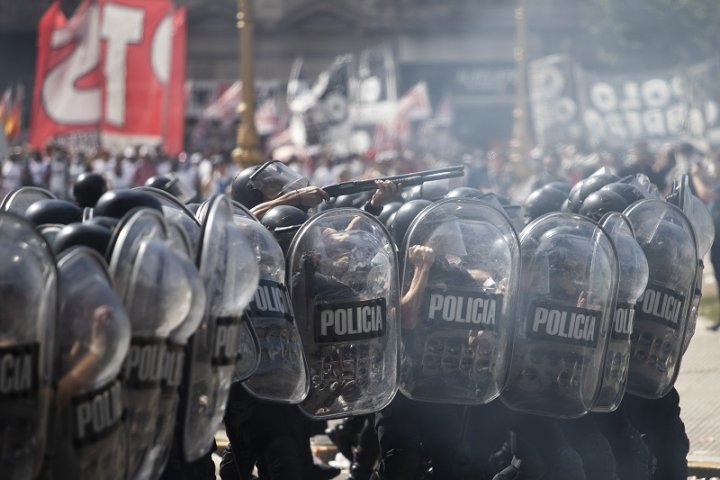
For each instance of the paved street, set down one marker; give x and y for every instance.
(699, 387)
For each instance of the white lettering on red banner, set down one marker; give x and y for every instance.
(115, 68)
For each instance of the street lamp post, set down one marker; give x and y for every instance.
(247, 152)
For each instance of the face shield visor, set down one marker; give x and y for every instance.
(275, 178)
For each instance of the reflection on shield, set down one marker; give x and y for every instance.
(343, 286)
(455, 345)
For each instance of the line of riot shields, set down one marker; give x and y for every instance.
(124, 322)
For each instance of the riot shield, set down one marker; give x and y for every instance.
(21, 198)
(281, 374)
(49, 231)
(569, 281)
(632, 280)
(704, 228)
(668, 240)
(29, 299)
(93, 339)
(156, 294)
(461, 269)
(229, 272)
(343, 283)
(176, 211)
(248, 358)
(175, 353)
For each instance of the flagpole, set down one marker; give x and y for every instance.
(247, 152)
(519, 146)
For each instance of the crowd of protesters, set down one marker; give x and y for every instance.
(210, 172)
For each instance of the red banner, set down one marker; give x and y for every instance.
(112, 73)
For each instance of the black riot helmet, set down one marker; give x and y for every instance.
(562, 186)
(284, 221)
(599, 203)
(173, 185)
(544, 200)
(628, 191)
(431, 190)
(585, 187)
(116, 203)
(86, 234)
(106, 222)
(243, 191)
(353, 200)
(53, 211)
(389, 209)
(88, 188)
(404, 217)
(270, 180)
(464, 192)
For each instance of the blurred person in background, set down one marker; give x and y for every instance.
(145, 167)
(324, 173)
(121, 172)
(38, 166)
(11, 173)
(58, 173)
(223, 172)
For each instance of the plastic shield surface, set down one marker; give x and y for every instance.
(704, 228)
(157, 296)
(632, 280)
(229, 272)
(569, 280)
(343, 283)
(275, 178)
(29, 296)
(461, 268)
(667, 238)
(175, 355)
(20, 199)
(281, 374)
(93, 340)
(176, 211)
(248, 358)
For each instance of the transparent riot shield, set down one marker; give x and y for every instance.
(49, 231)
(229, 272)
(156, 294)
(21, 198)
(632, 280)
(248, 358)
(461, 269)
(343, 284)
(93, 339)
(281, 374)
(668, 241)
(29, 299)
(568, 282)
(704, 228)
(175, 354)
(176, 211)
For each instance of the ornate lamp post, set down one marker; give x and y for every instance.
(247, 152)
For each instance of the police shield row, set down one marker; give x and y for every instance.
(128, 316)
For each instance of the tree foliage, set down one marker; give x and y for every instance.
(656, 33)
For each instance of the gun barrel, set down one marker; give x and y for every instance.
(405, 180)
